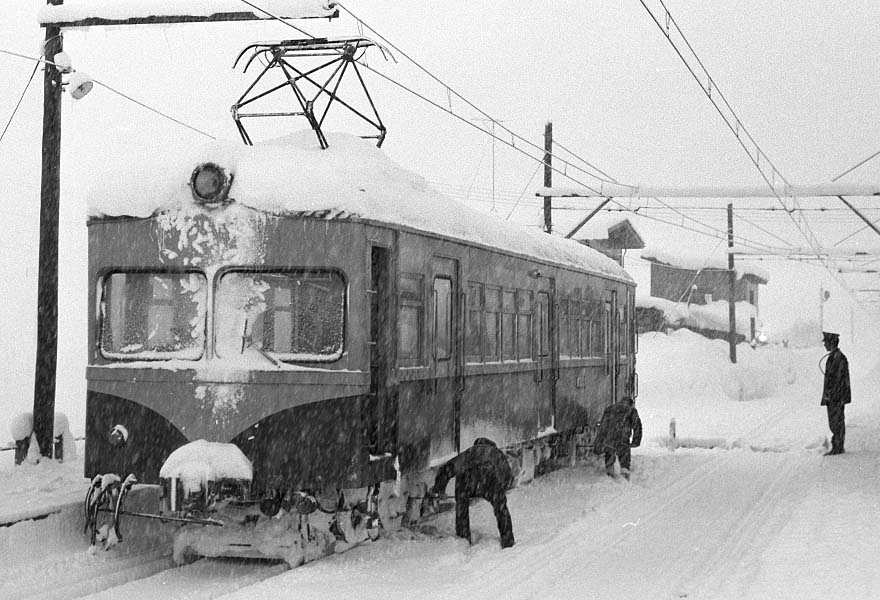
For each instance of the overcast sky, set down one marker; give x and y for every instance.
(803, 75)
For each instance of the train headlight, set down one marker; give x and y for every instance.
(210, 184)
(118, 436)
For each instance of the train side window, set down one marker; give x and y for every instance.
(577, 343)
(153, 316)
(492, 331)
(524, 324)
(508, 325)
(295, 315)
(586, 329)
(474, 322)
(543, 324)
(596, 330)
(442, 318)
(624, 333)
(564, 345)
(409, 323)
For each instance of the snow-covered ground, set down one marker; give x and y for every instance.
(747, 508)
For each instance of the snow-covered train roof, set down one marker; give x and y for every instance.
(351, 179)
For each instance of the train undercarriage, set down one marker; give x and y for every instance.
(222, 517)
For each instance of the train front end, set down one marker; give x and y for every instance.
(226, 367)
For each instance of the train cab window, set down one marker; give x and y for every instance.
(280, 315)
(474, 323)
(442, 318)
(153, 316)
(409, 322)
(492, 322)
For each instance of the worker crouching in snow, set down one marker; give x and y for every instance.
(619, 430)
(481, 471)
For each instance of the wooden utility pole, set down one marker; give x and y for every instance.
(548, 175)
(731, 274)
(47, 276)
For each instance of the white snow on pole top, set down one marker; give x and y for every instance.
(201, 461)
(351, 180)
(74, 11)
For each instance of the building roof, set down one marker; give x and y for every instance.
(615, 231)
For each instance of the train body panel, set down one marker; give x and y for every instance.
(343, 350)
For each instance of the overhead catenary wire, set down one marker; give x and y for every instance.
(485, 131)
(452, 90)
(486, 115)
(18, 104)
(42, 60)
(736, 127)
(857, 165)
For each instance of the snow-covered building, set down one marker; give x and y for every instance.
(701, 280)
(612, 236)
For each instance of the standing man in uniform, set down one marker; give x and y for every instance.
(481, 471)
(619, 430)
(835, 391)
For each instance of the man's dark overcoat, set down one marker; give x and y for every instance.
(836, 387)
(620, 429)
(481, 471)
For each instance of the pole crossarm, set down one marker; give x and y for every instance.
(148, 12)
(818, 190)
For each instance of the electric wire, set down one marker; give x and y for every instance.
(767, 231)
(514, 135)
(452, 90)
(540, 160)
(592, 166)
(18, 104)
(857, 165)
(155, 110)
(115, 91)
(526, 187)
(744, 242)
(802, 224)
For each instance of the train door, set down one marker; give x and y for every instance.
(612, 342)
(381, 411)
(445, 357)
(546, 354)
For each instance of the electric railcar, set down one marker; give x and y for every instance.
(326, 320)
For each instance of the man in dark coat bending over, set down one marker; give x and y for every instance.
(619, 422)
(481, 471)
(835, 391)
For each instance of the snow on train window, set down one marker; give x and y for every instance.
(409, 322)
(153, 316)
(280, 315)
